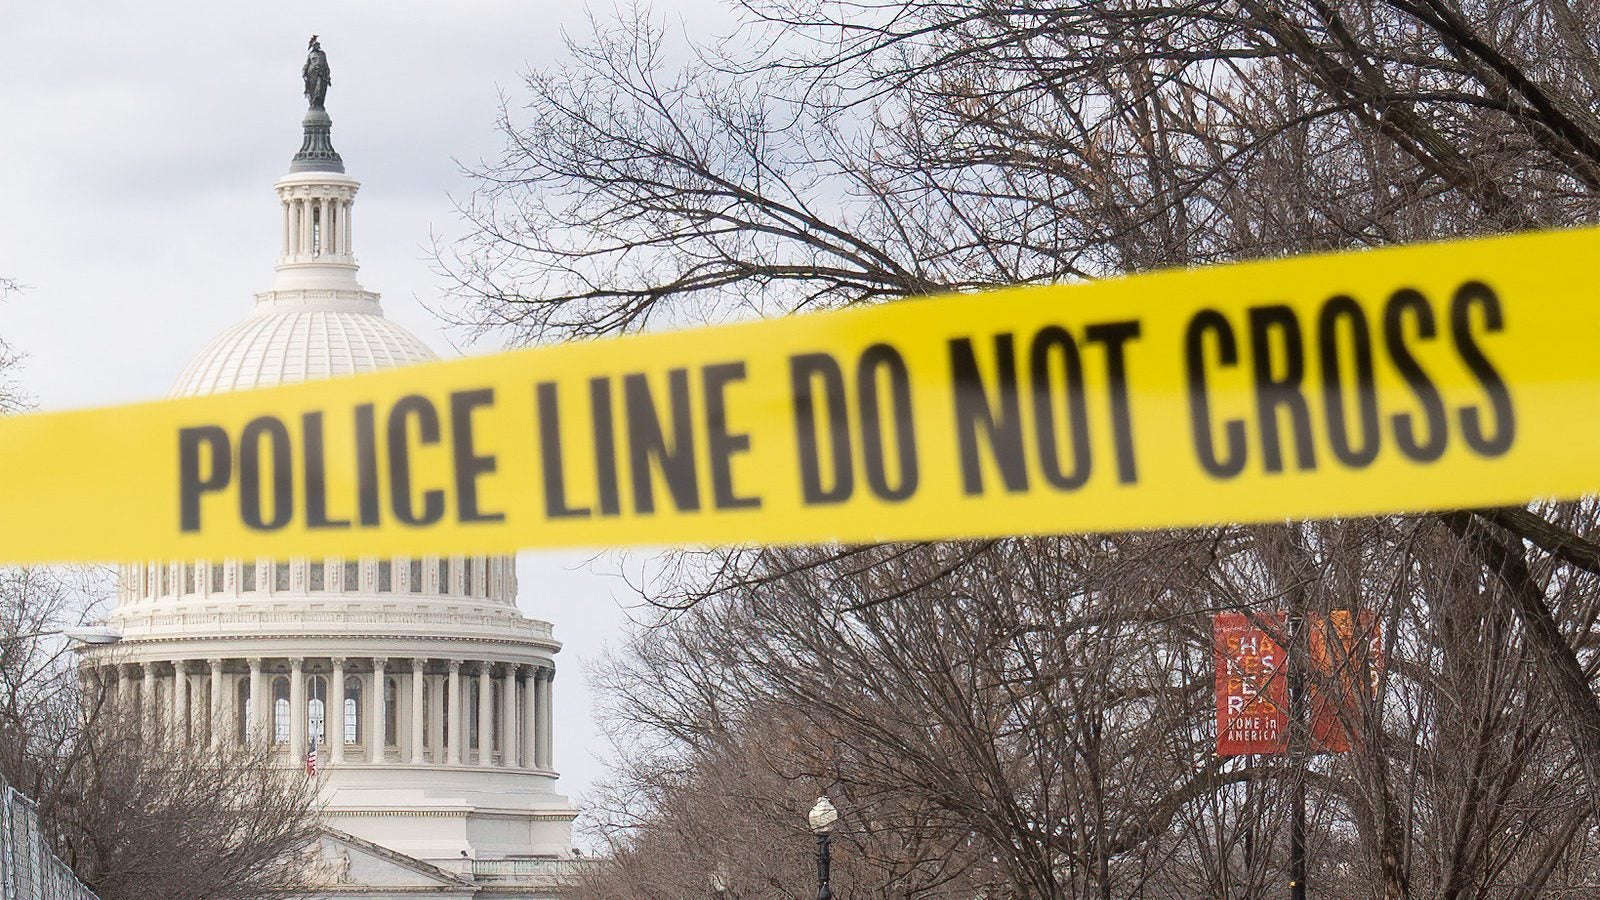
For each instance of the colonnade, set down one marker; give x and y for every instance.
(316, 225)
(369, 710)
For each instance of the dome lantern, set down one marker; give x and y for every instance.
(317, 198)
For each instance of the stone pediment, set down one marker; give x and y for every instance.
(341, 864)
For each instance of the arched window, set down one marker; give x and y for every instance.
(216, 578)
(385, 575)
(352, 575)
(414, 571)
(247, 576)
(317, 708)
(316, 576)
(390, 726)
(444, 576)
(280, 576)
(242, 710)
(352, 711)
(280, 710)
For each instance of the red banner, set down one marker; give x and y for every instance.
(1346, 664)
(1253, 680)
(1252, 685)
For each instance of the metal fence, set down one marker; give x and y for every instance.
(29, 869)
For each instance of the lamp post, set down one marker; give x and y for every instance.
(92, 634)
(823, 816)
(88, 634)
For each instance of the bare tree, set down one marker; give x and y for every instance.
(141, 820)
(136, 815)
(1032, 718)
(1030, 715)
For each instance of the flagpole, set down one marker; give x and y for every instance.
(1298, 739)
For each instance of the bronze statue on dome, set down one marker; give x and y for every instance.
(316, 73)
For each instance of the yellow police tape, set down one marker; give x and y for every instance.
(1417, 378)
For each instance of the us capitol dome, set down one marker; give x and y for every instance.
(424, 690)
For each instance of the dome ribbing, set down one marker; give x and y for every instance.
(285, 347)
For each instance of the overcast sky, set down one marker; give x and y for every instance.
(140, 144)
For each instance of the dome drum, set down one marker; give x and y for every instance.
(491, 579)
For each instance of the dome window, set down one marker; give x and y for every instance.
(243, 711)
(317, 708)
(352, 711)
(391, 706)
(280, 710)
(472, 684)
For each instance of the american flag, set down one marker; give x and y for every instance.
(311, 757)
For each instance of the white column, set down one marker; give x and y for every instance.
(228, 725)
(485, 714)
(294, 227)
(347, 247)
(333, 714)
(297, 711)
(180, 703)
(436, 684)
(543, 683)
(125, 691)
(508, 718)
(255, 732)
(530, 716)
(216, 703)
(375, 736)
(147, 699)
(455, 739)
(88, 686)
(305, 226)
(419, 710)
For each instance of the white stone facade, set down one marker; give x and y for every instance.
(426, 691)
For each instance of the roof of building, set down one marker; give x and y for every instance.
(285, 346)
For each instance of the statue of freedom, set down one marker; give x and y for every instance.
(316, 74)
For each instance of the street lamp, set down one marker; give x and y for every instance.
(87, 634)
(823, 817)
(92, 634)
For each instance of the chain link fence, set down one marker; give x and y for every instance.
(29, 869)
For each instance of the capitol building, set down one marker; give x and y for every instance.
(425, 691)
